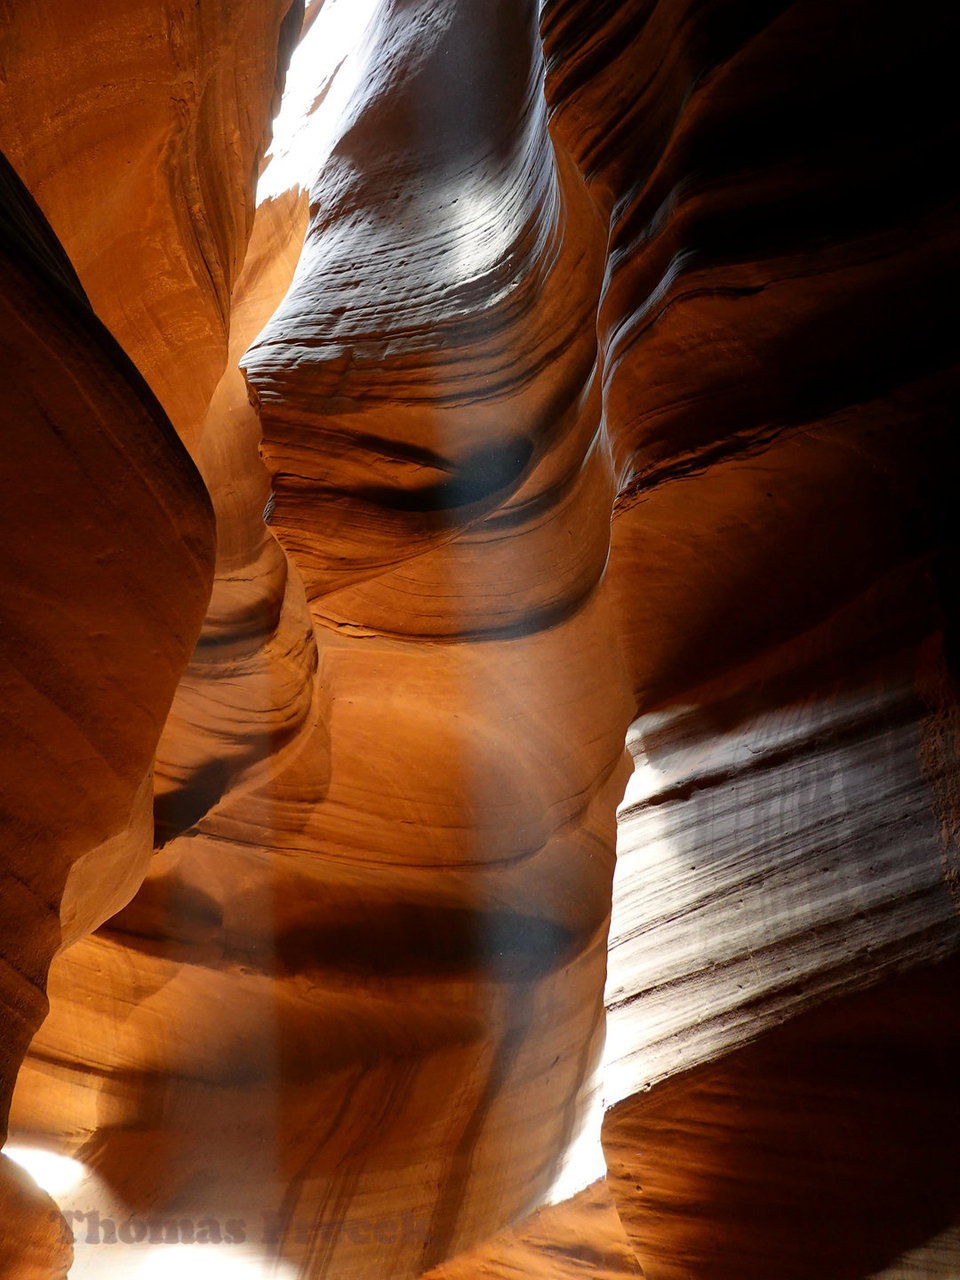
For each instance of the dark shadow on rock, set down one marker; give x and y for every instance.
(827, 1147)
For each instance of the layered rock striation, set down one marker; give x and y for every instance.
(139, 128)
(779, 393)
(392, 887)
(108, 539)
(599, 360)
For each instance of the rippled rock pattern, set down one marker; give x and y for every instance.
(581, 1239)
(138, 128)
(108, 558)
(691, 266)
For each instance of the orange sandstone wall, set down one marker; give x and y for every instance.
(614, 382)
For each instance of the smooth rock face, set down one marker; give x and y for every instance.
(34, 1239)
(249, 689)
(429, 373)
(691, 265)
(98, 623)
(138, 133)
(138, 128)
(392, 893)
(779, 842)
(108, 558)
(396, 917)
(582, 1239)
(828, 1142)
(776, 381)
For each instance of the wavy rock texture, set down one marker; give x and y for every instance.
(139, 128)
(249, 690)
(833, 874)
(830, 1138)
(782, 256)
(98, 618)
(582, 1239)
(704, 282)
(392, 906)
(139, 134)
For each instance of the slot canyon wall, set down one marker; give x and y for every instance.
(478, 638)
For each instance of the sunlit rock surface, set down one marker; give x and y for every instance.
(392, 890)
(582, 1239)
(780, 841)
(778, 389)
(108, 557)
(829, 1138)
(34, 1239)
(138, 128)
(691, 267)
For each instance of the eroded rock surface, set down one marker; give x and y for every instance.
(779, 394)
(395, 907)
(138, 129)
(691, 266)
(828, 1138)
(108, 558)
(581, 1239)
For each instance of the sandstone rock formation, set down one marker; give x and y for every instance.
(828, 1139)
(522, 268)
(138, 127)
(395, 907)
(582, 1239)
(108, 556)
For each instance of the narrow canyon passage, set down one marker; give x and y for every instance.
(556, 419)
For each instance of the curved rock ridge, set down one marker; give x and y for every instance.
(139, 128)
(705, 282)
(826, 1138)
(780, 841)
(581, 1239)
(773, 326)
(423, 862)
(158, 255)
(249, 690)
(436, 344)
(35, 1241)
(779, 392)
(393, 908)
(98, 618)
